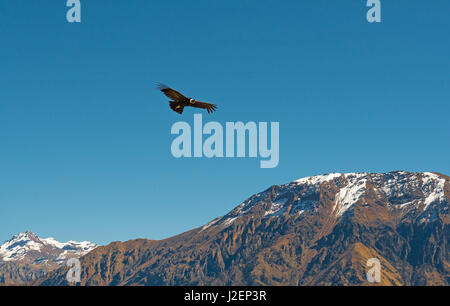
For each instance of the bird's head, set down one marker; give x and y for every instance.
(192, 101)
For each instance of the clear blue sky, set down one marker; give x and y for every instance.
(85, 137)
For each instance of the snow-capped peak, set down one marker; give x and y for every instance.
(318, 179)
(398, 190)
(28, 245)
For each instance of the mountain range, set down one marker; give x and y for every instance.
(26, 257)
(319, 230)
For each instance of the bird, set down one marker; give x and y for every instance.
(180, 101)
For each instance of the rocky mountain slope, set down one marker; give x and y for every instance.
(26, 256)
(318, 230)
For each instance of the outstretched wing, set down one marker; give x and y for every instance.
(208, 106)
(171, 93)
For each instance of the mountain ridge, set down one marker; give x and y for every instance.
(318, 230)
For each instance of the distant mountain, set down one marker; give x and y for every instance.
(26, 256)
(318, 230)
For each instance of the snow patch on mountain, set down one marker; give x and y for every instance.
(229, 221)
(276, 208)
(350, 194)
(209, 224)
(318, 179)
(433, 188)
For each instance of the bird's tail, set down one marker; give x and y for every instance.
(177, 107)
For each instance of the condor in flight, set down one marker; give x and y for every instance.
(180, 101)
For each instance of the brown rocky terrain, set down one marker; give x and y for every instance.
(315, 231)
